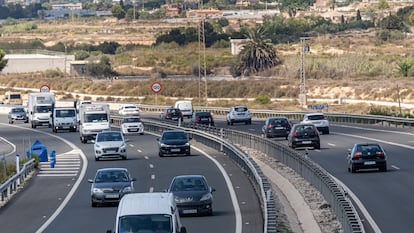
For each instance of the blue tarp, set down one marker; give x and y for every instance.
(40, 150)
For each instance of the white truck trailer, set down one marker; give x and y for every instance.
(93, 118)
(40, 106)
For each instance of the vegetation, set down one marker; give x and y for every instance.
(3, 61)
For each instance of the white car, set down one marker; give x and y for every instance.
(319, 120)
(132, 125)
(110, 144)
(239, 114)
(129, 110)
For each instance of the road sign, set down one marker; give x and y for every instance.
(156, 87)
(45, 88)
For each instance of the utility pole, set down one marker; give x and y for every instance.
(202, 69)
(304, 49)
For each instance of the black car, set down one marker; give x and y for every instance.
(192, 194)
(203, 118)
(304, 135)
(276, 127)
(174, 142)
(110, 185)
(17, 114)
(368, 155)
(172, 114)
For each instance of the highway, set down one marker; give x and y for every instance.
(386, 196)
(41, 206)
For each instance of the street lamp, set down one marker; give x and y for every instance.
(305, 48)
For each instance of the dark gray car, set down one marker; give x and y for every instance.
(17, 114)
(276, 127)
(110, 185)
(174, 142)
(369, 155)
(192, 194)
(304, 135)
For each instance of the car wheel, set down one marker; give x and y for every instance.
(228, 123)
(210, 212)
(10, 122)
(83, 140)
(188, 154)
(326, 131)
(318, 146)
(96, 158)
(352, 169)
(383, 168)
(94, 204)
(231, 122)
(160, 154)
(141, 133)
(26, 122)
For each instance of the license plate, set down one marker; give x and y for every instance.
(369, 163)
(112, 195)
(189, 211)
(133, 129)
(279, 128)
(306, 142)
(174, 118)
(175, 150)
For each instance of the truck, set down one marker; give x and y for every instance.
(13, 97)
(93, 118)
(64, 118)
(40, 106)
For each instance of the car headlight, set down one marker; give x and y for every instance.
(127, 189)
(163, 145)
(182, 199)
(97, 190)
(97, 146)
(187, 144)
(123, 145)
(206, 197)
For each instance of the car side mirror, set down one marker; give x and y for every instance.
(212, 189)
(90, 180)
(126, 140)
(349, 151)
(157, 139)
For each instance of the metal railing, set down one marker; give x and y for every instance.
(9, 187)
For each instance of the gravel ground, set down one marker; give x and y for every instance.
(288, 220)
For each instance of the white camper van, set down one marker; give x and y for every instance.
(148, 212)
(40, 106)
(186, 107)
(93, 118)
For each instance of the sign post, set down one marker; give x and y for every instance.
(156, 88)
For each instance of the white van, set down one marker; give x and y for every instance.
(148, 213)
(186, 107)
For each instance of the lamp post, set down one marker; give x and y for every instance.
(304, 49)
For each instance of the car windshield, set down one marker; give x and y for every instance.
(172, 110)
(305, 129)
(104, 137)
(189, 184)
(109, 176)
(96, 117)
(240, 109)
(316, 117)
(203, 114)
(279, 122)
(17, 110)
(174, 135)
(132, 120)
(369, 148)
(65, 113)
(43, 109)
(145, 223)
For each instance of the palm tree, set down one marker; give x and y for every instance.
(257, 54)
(3, 61)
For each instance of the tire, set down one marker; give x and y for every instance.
(318, 146)
(124, 158)
(352, 169)
(188, 154)
(94, 204)
(383, 168)
(83, 140)
(326, 131)
(160, 154)
(96, 159)
(231, 122)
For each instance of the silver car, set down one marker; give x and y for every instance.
(239, 114)
(17, 114)
(319, 120)
(110, 144)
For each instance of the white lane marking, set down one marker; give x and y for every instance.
(152, 177)
(233, 196)
(395, 167)
(139, 151)
(146, 157)
(331, 144)
(151, 165)
(131, 145)
(378, 130)
(151, 189)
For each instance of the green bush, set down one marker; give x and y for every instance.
(263, 99)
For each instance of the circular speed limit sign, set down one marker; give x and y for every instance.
(156, 87)
(45, 88)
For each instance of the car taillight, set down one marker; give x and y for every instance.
(294, 134)
(167, 115)
(270, 126)
(198, 118)
(325, 118)
(316, 133)
(357, 155)
(380, 154)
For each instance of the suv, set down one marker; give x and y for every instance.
(319, 120)
(174, 142)
(239, 114)
(17, 114)
(304, 135)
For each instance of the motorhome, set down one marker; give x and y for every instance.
(40, 106)
(93, 118)
(12, 97)
(64, 118)
(148, 212)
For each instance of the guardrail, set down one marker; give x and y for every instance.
(8, 188)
